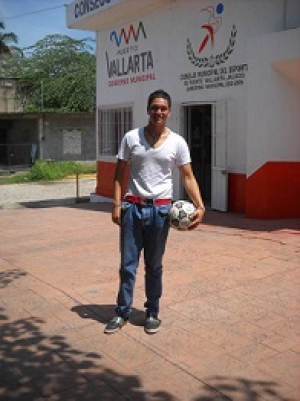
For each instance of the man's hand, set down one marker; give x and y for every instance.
(192, 188)
(196, 218)
(118, 183)
(116, 215)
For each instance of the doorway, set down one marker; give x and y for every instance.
(198, 128)
(3, 146)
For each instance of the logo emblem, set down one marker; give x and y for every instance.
(209, 32)
(132, 33)
(212, 26)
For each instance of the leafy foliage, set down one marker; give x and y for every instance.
(58, 73)
(50, 171)
(5, 39)
(8, 51)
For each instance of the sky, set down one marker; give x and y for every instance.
(32, 20)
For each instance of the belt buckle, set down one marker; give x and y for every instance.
(148, 202)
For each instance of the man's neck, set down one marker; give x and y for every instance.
(155, 130)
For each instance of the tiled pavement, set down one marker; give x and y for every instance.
(230, 311)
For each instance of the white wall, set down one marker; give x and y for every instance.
(167, 33)
(273, 101)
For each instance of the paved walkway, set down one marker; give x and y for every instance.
(230, 310)
(49, 193)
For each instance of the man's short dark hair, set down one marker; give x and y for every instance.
(159, 93)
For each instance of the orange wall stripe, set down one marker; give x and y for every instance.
(236, 192)
(105, 176)
(273, 191)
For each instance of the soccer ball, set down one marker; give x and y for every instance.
(180, 214)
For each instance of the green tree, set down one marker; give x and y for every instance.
(7, 50)
(5, 39)
(58, 73)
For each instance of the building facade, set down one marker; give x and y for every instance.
(25, 137)
(8, 97)
(232, 68)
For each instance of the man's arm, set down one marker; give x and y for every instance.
(118, 184)
(192, 188)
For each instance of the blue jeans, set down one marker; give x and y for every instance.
(143, 228)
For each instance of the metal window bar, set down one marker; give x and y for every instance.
(113, 124)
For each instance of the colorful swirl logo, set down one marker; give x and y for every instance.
(214, 23)
(213, 17)
(127, 36)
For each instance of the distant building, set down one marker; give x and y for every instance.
(8, 98)
(25, 137)
(232, 68)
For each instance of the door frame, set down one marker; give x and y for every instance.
(200, 144)
(219, 195)
(219, 132)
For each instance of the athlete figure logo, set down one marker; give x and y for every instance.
(212, 26)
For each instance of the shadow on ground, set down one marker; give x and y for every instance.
(211, 218)
(35, 365)
(103, 313)
(240, 222)
(81, 203)
(231, 389)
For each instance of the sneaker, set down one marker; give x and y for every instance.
(152, 324)
(115, 324)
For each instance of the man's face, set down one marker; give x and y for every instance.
(159, 111)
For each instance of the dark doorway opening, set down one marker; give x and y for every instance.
(3, 146)
(198, 127)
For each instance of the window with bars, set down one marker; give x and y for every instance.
(112, 125)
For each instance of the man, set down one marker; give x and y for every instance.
(151, 153)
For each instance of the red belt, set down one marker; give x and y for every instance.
(147, 202)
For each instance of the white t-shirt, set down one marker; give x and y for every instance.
(151, 168)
